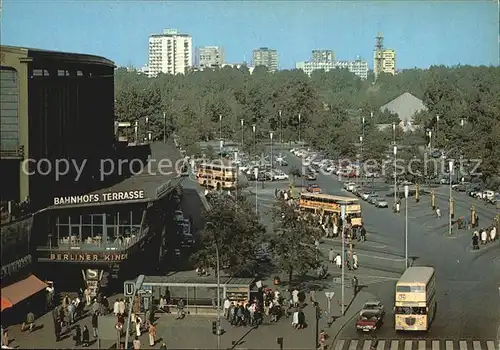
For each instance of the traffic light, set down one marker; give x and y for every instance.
(214, 327)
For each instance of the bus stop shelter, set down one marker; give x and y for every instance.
(198, 292)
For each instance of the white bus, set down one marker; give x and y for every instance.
(415, 305)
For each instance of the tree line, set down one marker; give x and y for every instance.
(201, 106)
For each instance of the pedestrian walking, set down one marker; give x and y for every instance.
(438, 213)
(30, 322)
(475, 240)
(354, 261)
(331, 256)
(484, 236)
(77, 335)
(95, 320)
(137, 343)
(5, 337)
(85, 337)
(152, 334)
(338, 261)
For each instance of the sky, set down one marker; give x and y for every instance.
(423, 33)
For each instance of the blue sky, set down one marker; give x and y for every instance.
(422, 32)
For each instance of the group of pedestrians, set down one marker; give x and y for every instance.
(351, 259)
(484, 236)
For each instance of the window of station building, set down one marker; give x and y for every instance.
(79, 73)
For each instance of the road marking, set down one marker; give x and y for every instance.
(449, 345)
(381, 345)
(421, 345)
(490, 344)
(408, 344)
(394, 345)
(381, 257)
(476, 345)
(339, 345)
(367, 345)
(353, 345)
(462, 344)
(435, 345)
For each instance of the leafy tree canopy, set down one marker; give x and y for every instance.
(330, 105)
(234, 228)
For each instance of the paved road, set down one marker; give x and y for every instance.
(423, 344)
(468, 294)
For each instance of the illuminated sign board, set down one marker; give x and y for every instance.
(100, 197)
(88, 257)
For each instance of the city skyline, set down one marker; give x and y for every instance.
(423, 34)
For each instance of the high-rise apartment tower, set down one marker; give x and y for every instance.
(384, 60)
(265, 57)
(170, 53)
(209, 57)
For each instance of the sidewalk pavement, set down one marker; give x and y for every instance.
(195, 332)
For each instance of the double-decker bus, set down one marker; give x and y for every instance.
(327, 203)
(415, 305)
(217, 175)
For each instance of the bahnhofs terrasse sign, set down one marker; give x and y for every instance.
(101, 197)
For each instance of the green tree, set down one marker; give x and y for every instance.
(233, 226)
(293, 246)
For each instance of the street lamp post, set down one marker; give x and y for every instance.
(242, 137)
(254, 140)
(256, 175)
(361, 139)
(299, 127)
(395, 149)
(281, 127)
(342, 215)
(138, 285)
(407, 190)
(220, 127)
(164, 127)
(394, 133)
(146, 130)
(450, 164)
(272, 156)
(219, 330)
(430, 139)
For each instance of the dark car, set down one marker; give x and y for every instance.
(369, 320)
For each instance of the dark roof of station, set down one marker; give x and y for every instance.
(156, 184)
(63, 57)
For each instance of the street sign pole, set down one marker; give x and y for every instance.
(137, 285)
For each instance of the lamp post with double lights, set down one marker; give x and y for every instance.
(450, 216)
(256, 175)
(394, 133)
(395, 150)
(299, 127)
(407, 190)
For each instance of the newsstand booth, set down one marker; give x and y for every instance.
(199, 293)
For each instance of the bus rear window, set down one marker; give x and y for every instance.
(410, 289)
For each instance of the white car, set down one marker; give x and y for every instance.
(349, 186)
(279, 176)
(485, 195)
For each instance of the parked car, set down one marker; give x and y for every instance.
(314, 188)
(311, 176)
(373, 175)
(349, 186)
(380, 202)
(373, 199)
(367, 195)
(279, 176)
(485, 195)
